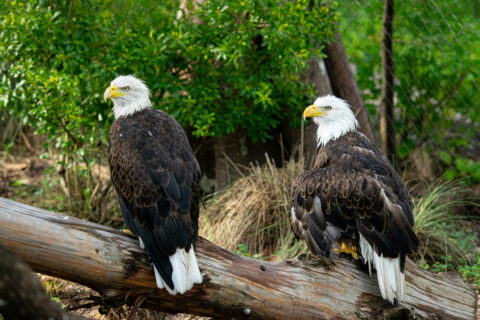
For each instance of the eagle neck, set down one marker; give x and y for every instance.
(331, 131)
(130, 107)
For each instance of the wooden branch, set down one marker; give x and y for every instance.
(112, 263)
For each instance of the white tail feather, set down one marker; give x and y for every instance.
(161, 284)
(391, 280)
(185, 272)
(194, 270)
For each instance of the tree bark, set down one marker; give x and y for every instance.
(344, 84)
(387, 126)
(234, 286)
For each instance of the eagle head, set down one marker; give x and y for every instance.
(333, 116)
(129, 95)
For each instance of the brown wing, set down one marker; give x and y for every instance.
(352, 187)
(155, 175)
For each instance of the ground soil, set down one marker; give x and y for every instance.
(81, 300)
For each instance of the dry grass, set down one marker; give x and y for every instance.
(254, 212)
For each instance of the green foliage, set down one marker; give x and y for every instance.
(438, 267)
(246, 59)
(239, 68)
(57, 300)
(462, 168)
(244, 251)
(436, 55)
(471, 272)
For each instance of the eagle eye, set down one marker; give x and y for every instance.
(125, 88)
(328, 108)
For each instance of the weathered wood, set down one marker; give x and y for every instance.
(112, 263)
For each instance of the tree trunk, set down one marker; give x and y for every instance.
(234, 286)
(344, 84)
(387, 127)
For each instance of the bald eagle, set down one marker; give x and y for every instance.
(352, 200)
(156, 178)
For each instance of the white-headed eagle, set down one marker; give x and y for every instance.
(352, 200)
(156, 178)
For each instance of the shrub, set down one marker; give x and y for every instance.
(239, 68)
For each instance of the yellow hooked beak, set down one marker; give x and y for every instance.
(112, 92)
(312, 111)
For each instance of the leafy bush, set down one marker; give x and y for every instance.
(461, 168)
(239, 68)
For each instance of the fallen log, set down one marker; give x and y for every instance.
(234, 286)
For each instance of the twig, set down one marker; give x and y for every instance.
(455, 88)
(68, 15)
(140, 300)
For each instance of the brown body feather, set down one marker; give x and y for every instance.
(353, 188)
(156, 177)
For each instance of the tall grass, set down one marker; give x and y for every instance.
(440, 226)
(254, 212)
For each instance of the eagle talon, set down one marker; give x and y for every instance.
(348, 250)
(127, 231)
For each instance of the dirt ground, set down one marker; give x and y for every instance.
(84, 301)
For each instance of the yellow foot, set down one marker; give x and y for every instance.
(348, 250)
(128, 231)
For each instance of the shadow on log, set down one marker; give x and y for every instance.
(112, 263)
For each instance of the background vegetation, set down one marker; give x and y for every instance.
(240, 69)
(436, 77)
(56, 58)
